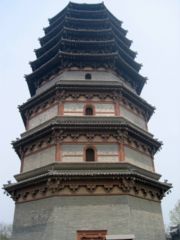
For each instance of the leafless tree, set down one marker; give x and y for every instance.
(175, 214)
(5, 231)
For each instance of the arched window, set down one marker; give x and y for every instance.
(90, 155)
(88, 76)
(89, 110)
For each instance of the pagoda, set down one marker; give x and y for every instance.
(87, 157)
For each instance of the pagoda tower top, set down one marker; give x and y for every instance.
(85, 36)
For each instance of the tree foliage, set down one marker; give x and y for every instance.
(175, 214)
(5, 231)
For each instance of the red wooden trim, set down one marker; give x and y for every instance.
(58, 152)
(122, 152)
(117, 110)
(91, 234)
(61, 108)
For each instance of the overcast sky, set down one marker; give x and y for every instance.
(154, 27)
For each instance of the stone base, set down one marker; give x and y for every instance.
(59, 218)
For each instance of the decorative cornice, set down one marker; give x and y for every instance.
(54, 183)
(87, 167)
(60, 92)
(61, 127)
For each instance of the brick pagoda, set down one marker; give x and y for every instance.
(87, 157)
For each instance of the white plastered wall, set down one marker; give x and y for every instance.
(132, 117)
(39, 159)
(77, 109)
(43, 117)
(139, 159)
(72, 75)
(104, 152)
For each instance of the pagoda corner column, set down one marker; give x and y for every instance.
(117, 108)
(60, 108)
(58, 152)
(121, 152)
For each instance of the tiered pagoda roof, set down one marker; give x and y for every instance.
(85, 36)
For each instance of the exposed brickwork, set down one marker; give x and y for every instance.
(60, 218)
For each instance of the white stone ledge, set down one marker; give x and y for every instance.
(120, 237)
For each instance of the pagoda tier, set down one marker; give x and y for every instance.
(96, 42)
(48, 143)
(57, 94)
(118, 127)
(76, 179)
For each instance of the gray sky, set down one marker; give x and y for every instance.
(154, 27)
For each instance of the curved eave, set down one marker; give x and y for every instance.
(51, 52)
(84, 54)
(95, 43)
(85, 6)
(45, 48)
(55, 62)
(121, 44)
(71, 31)
(42, 71)
(149, 109)
(73, 124)
(87, 20)
(105, 30)
(119, 22)
(52, 26)
(95, 167)
(118, 32)
(58, 15)
(87, 13)
(48, 37)
(44, 58)
(86, 171)
(128, 59)
(77, 7)
(87, 57)
(91, 45)
(134, 75)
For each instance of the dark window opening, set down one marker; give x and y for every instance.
(89, 111)
(90, 155)
(88, 76)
